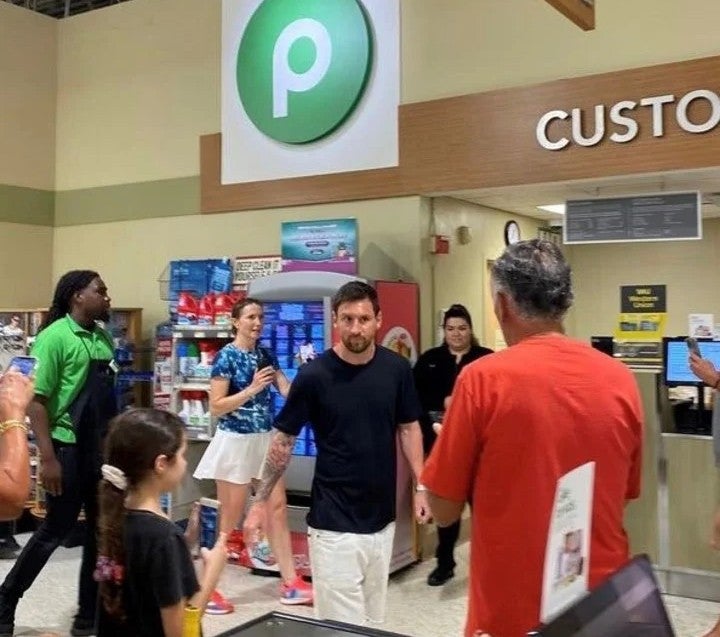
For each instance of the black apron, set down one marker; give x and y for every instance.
(90, 412)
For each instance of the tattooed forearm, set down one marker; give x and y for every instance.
(278, 458)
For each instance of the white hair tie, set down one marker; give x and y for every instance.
(114, 476)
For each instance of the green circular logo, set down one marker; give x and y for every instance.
(302, 66)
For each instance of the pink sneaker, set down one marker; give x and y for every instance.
(296, 592)
(218, 605)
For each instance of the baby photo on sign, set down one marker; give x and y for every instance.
(12, 338)
(570, 560)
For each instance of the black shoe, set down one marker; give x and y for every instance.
(82, 627)
(439, 576)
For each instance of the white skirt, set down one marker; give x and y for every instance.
(233, 457)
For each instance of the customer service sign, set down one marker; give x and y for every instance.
(309, 87)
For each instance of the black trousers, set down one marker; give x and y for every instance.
(445, 552)
(80, 483)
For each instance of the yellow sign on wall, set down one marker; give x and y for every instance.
(632, 326)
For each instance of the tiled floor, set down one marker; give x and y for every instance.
(413, 607)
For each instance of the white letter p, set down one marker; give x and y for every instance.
(285, 79)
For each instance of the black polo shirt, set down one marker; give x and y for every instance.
(354, 411)
(435, 373)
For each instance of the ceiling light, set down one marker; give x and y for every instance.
(555, 208)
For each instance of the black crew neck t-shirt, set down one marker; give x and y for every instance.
(158, 573)
(354, 411)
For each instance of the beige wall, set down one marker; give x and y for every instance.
(688, 268)
(134, 253)
(138, 82)
(28, 54)
(468, 46)
(26, 264)
(460, 277)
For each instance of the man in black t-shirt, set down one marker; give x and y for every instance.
(357, 396)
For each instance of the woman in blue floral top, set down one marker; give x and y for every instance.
(240, 397)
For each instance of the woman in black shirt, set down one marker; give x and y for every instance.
(144, 567)
(435, 373)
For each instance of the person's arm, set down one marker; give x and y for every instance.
(276, 462)
(214, 561)
(172, 619)
(48, 375)
(451, 468)
(705, 371)
(50, 468)
(412, 448)
(444, 511)
(221, 403)
(165, 571)
(282, 383)
(295, 413)
(16, 391)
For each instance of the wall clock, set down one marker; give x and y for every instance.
(512, 233)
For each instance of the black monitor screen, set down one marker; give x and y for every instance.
(628, 604)
(676, 366)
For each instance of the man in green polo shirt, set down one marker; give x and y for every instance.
(74, 400)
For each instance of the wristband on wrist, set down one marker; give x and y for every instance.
(420, 488)
(11, 424)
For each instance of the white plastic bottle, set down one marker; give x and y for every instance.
(184, 414)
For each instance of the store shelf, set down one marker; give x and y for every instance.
(193, 437)
(201, 331)
(196, 386)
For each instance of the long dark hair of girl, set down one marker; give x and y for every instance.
(135, 439)
(69, 284)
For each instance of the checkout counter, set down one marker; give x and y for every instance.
(672, 519)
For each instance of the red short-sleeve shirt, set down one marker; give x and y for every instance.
(518, 421)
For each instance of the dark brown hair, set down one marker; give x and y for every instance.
(240, 305)
(136, 438)
(460, 311)
(356, 291)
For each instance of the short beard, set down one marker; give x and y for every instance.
(357, 346)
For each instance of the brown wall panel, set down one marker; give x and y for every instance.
(488, 140)
(578, 11)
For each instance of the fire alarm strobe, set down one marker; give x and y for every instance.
(439, 244)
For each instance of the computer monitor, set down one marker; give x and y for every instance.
(676, 367)
(628, 604)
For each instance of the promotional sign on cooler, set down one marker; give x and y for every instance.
(311, 87)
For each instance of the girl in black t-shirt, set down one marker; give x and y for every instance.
(144, 565)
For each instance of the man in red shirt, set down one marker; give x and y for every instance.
(518, 421)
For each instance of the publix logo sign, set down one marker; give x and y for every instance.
(302, 66)
(309, 87)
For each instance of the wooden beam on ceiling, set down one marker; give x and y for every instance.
(581, 12)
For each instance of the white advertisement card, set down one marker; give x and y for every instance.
(567, 553)
(701, 325)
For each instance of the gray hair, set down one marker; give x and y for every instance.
(536, 276)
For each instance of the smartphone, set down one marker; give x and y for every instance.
(24, 364)
(692, 345)
(264, 359)
(209, 522)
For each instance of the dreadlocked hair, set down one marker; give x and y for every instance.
(69, 284)
(134, 441)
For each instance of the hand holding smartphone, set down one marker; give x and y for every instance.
(693, 346)
(25, 365)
